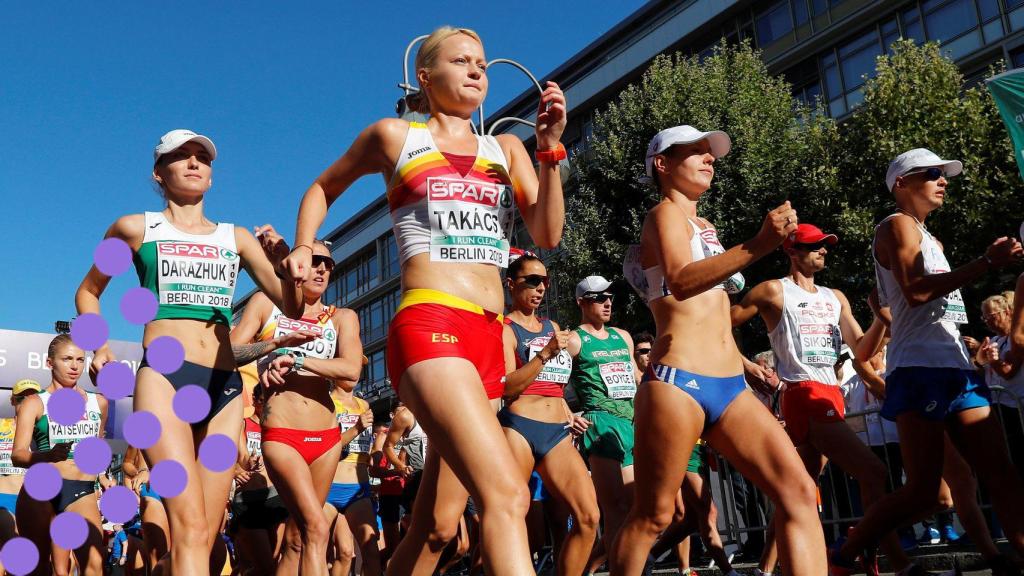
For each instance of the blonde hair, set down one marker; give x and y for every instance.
(426, 57)
(999, 302)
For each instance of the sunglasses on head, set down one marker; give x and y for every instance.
(327, 261)
(599, 298)
(534, 280)
(930, 174)
(810, 247)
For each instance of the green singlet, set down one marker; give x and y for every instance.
(603, 374)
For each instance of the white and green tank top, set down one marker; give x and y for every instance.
(192, 275)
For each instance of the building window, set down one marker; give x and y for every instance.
(947, 21)
(360, 275)
(390, 254)
(375, 315)
(774, 23)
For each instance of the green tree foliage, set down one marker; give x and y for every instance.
(779, 152)
(834, 174)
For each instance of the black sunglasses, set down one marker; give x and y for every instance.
(327, 261)
(599, 298)
(643, 351)
(811, 247)
(534, 280)
(930, 174)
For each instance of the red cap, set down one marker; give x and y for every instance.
(808, 234)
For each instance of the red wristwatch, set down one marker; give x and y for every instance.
(551, 155)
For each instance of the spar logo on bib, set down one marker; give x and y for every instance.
(471, 191)
(189, 250)
(290, 325)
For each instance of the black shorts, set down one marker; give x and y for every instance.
(221, 385)
(71, 491)
(412, 486)
(391, 508)
(257, 509)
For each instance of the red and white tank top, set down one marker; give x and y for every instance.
(324, 346)
(807, 339)
(457, 218)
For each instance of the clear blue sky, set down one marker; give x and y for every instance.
(281, 88)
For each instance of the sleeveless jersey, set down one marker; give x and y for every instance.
(415, 446)
(324, 346)
(48, 434)
(651, 285)
(358, 450)
(807, 339)
(192, 275)
(456, 218)
(925, 335)
(253, 437)
(7, 468)
(555, 373)
(1016, 382)
(603, 375)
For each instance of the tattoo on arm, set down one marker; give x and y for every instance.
(245, 353)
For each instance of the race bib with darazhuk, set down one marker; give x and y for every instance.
(195, 274)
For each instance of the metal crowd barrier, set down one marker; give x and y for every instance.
(745, 510)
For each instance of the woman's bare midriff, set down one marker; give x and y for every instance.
(477, 283)
(205, 344)
(696, 334)
(303, 402)
(351, 473)
(69, 471)
(540, 408)
(11, 484)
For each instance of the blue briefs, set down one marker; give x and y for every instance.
(342, 496)
(713, 394)
(146, 491)
(8, 502)
(541, 436)
(934, 393)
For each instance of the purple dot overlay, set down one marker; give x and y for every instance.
(66, 406)
(218, 452)
(141, 429)
(92, 455)
(191, 403)
(165, 354)
(69, 530)
(89, 331)
(19, 556)
(168, 478)
(42, 481)
(112, 256)
(115, 380)
(139, 305)
(119, 504)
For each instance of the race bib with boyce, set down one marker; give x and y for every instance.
(618, 379)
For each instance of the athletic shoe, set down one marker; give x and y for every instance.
(930, 535)
(908, 541)
(949, 535)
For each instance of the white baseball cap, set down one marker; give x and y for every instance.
(919, 158)
(592, 285)
(176, 138)
(685, 134)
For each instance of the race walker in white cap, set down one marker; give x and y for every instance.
(191, 266)
(694, 387)
(604, 378)
(931, 386)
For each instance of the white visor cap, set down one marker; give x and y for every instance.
(919, 158)
(177, 138)
(685, 134)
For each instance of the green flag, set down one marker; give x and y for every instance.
(1008, 90)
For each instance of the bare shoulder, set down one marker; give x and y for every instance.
(345, 316)
(131, 228)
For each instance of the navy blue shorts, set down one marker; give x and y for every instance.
(712, 393)
(934, 393)
(541, 436)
